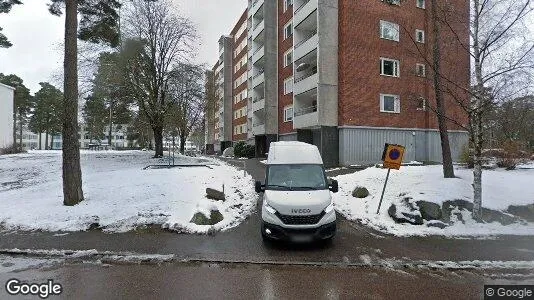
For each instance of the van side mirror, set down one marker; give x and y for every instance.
(334, 187)
(260, 188)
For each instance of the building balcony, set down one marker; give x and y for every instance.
(304, 9)
(306, 45)
(305, 83)
(256, 5)
(258, 79)
(258, 29)
(258, 104)
(306, 117)
(258, 54)
(258, 129)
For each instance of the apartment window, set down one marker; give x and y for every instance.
(288, 114)
(389, 31)
(420, 36)
(389, 103)
(389, 67)
(288, 85)
(287, 4)
(422, 104)
(394, 2)
(288, 58)
(420, 3)
(420, 70)
(288, 30)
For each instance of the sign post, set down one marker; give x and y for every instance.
(392, 158)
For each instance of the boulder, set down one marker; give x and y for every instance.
(214, 194)
(228, 152)
(489, 215)
(436, 223)
(450, 205)
(429, 210)
(405, 212)
(201, 219)
(526, 212)
(360, 192)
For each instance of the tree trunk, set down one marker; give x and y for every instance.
(158, 141)
(20, 131)
(448, 169)
(182, 144)
(110, 126)
(72, 174)
(52, 142)
(15, 124)
(40, 141)
(46, 140)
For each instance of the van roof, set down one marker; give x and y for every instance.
(283, 153)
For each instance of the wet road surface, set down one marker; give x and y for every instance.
(241, 281)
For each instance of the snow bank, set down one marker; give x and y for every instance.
(500, 189)
(119, 194)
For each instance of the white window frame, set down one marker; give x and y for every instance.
(396, 103)
(287, 116)
(287, 4)
(393, 26)
(422, 104)
(420, 4)
(417, 32)
(286, 63)
(286, 26)
(286, 89)
(418, 67)
(396, 67)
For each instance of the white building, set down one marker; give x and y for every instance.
(6, 115)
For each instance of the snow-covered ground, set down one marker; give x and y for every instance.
(500, 189)
(119, 194)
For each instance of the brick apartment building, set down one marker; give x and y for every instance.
(345, 75)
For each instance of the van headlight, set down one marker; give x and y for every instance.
(329, 208)
(269, 209)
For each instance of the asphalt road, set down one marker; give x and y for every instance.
(227, 281)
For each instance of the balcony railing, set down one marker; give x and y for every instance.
(257, 50)
(312, 34)
(257, 99)
(258, 124)
(259, 74)
(306, 110)
(301, 6)
(313, 72)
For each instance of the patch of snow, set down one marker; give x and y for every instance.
(119, 194)
(263, 162)
(10, 264)
(500, 189)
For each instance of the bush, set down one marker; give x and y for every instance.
(466, 157)
(242, 149)
(513, 155)
(10, 150)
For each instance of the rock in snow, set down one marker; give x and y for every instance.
(526, 212)
(200, 219)
(429, 210)
(214, 194)
(405, 212)
(360, 192)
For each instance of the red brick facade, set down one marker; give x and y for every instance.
(243, 70)
(284, 72)
(360, 50)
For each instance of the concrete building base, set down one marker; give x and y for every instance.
(364, 145)
(262, 143)
(326, 138)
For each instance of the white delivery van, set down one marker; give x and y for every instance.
(297, 204)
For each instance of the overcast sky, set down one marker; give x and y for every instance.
(37, 35)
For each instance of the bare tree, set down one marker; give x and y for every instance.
(187, 101)
(158, 40)
(501, 55)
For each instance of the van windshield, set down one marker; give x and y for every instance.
(296, 177)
